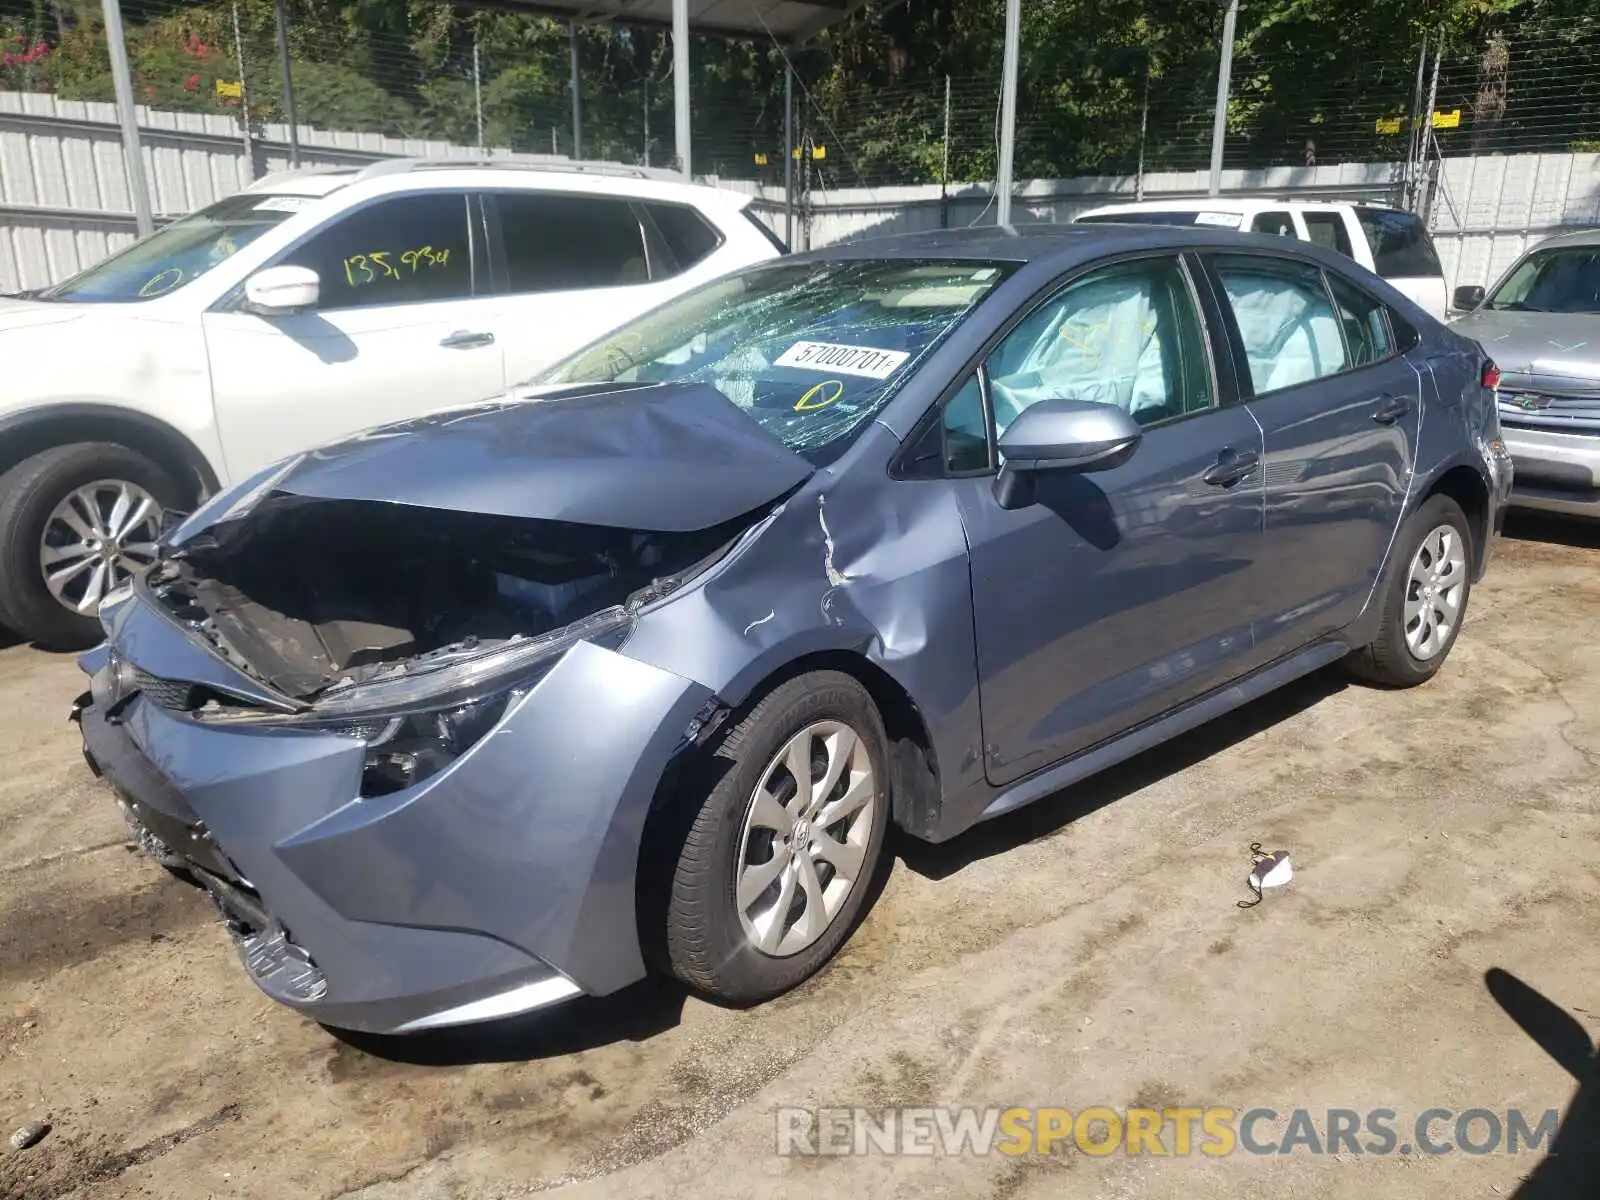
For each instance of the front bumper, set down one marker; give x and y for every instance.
(1556, 472)
(502, 884)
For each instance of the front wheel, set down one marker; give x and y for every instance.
(76, 522)
(1426, 598)
(777, 861)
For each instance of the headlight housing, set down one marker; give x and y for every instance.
(418, 718)
(410, 749)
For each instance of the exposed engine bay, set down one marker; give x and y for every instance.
(304, 593)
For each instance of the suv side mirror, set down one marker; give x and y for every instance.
(1467, 299)
(1062, 435)
(279, 290)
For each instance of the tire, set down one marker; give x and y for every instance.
(30, 493)
(1395, 658)
(708, 943)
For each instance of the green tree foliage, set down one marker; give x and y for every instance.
(1101, 80)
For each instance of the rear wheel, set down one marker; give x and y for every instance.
(75, 522)
(1426, 598)
(778, 858)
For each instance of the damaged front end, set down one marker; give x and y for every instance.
(410, 629)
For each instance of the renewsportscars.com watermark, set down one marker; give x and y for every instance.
(1175, 1132)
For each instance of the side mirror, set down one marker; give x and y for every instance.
(279, 290)
(1467, 299)
(1062, 435)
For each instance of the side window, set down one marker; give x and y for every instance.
(1277, 224)
(1127, 335)
(1366, 325)
(687, 235)
(1401, 247)
(558, 243)
(407, 250)
(1328, 230)
(966, 430)
(1285, 319)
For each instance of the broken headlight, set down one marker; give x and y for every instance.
(419, 716)
(404, 751)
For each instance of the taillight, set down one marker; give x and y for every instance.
(1491, 376)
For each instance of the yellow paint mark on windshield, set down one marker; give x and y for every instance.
(161, 283)
(820, 396)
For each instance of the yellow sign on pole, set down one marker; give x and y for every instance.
(761, 160)
(1447, 120)
(229, 91)
(1391, 124)
(819, 152)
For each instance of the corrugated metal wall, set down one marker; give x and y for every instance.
(64, 200)
(64, 190)
(1489, 209)
(1486, 210)
(848, 213)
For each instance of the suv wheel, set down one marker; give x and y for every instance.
(779, 855)
(75, 522)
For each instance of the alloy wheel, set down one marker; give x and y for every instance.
(96, 539)
(803, 847)
(1435, 592)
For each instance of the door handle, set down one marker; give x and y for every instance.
(1391, 409)
(465, 339)
(1231, 466)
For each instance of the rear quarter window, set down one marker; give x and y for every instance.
(687, 236)
(1401, 247)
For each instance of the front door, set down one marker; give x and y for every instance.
(1339, 407)
(1120, 594)
(403, 327)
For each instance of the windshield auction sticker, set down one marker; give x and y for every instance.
(845, 360)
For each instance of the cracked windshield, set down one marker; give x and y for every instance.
(811, 352)
(180, 253)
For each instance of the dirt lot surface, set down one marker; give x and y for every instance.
(1087, 951)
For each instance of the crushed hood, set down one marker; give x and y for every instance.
(668, 458)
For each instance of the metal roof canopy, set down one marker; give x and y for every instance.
(788, 22)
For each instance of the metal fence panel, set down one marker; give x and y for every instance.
(64, 199)
(1488, 209)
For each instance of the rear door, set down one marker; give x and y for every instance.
(1120, 594)
(1339, 406)
(572, 267)
(402, 327)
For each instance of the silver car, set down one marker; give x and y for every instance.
(1541, 324)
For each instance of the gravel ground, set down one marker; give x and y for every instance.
(1086, 951)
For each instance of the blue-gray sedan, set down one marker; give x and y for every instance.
(634, 667)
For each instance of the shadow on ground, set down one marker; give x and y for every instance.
(1571, 1169)
(1559, 531)
(1055, 812)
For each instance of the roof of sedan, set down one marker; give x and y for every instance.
(1576, 237)
(1030, 243)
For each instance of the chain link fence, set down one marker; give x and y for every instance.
(478, 77)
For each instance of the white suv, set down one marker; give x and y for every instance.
(1389, 242)
(312, 304)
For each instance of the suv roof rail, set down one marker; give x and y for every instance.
(398, 166)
